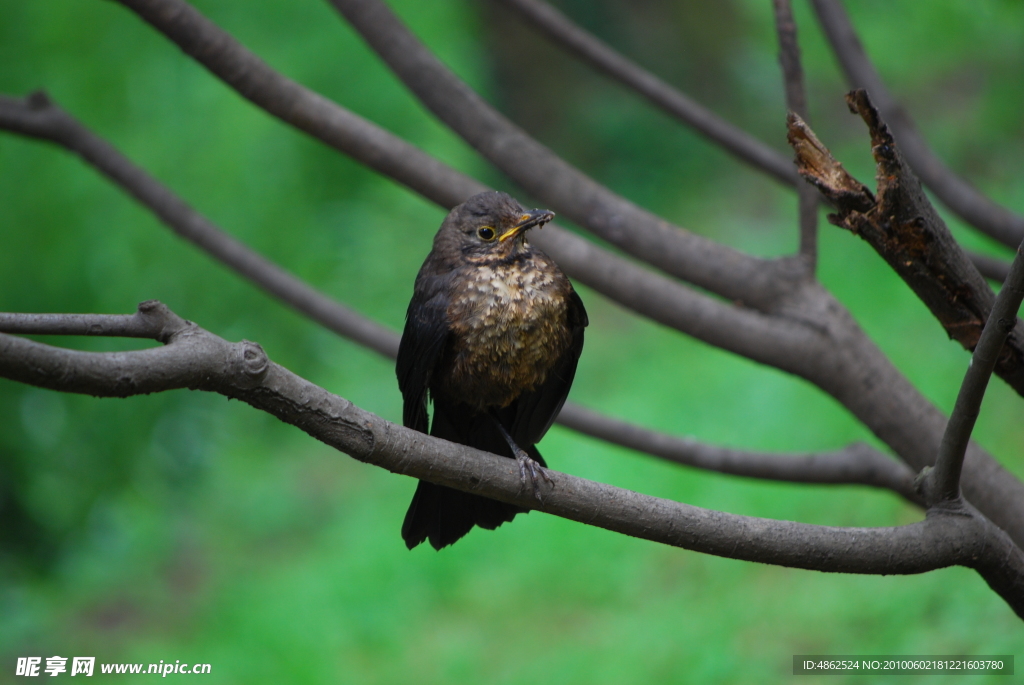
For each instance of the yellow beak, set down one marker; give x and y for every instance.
(534, 217)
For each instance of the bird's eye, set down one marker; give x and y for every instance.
(486, 233)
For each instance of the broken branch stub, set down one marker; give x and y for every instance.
(901, 224)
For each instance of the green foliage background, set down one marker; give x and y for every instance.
(183, 527)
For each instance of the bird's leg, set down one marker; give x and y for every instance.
(528, 468)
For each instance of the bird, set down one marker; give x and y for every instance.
(492, 337)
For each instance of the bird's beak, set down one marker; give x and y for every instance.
(534, 217)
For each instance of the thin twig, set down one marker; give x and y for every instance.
(945, 477)
(570, 36)
(796, 100)
(108, 325)
(992, 268)
(965, 201)
(196, 359)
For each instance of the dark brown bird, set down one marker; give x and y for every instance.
(492, 337)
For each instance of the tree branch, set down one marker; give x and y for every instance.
(965, 201)
(903, 227)
(198, 360)
(943, 483)
(796, 101)
(570, 36)
(857, 464)
(38, 117)
(757, 282)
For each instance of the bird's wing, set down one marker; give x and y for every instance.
(426, 330)
(536, 410)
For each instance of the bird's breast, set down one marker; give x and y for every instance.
(508, 324)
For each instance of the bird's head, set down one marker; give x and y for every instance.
(488, 226)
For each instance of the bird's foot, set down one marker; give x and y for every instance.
(529, 470)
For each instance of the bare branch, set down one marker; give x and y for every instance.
(904, 228)
(965, 201)
(196, 359)
(599, 55)
(135, 325)
(38, 117)
(857, 464)
(796, 100)
(789, 58)
(944, 479)
(757, 282)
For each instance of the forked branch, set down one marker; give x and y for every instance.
(899, 222)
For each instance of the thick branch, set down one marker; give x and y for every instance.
(729, 273)
(945, 477)
(903, 227)
(954, 192)
(796, 101)
(196, 359)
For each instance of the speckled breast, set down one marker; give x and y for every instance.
(509, 329)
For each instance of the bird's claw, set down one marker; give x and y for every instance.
(528, 472)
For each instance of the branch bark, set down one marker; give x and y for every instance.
(195, 359)
(856, 464)
(903, 227)
(943, 483)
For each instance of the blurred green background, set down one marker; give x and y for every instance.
(184, 527)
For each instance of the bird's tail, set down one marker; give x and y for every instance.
(443, 515)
